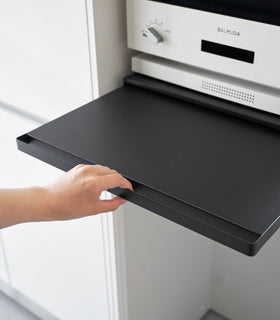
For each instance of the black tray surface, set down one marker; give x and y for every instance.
(226, 166)
(212, 172)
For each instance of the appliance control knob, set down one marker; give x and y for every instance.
(153, 35)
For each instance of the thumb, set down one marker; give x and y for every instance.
(111, 205)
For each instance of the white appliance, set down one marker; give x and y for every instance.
(233, 55)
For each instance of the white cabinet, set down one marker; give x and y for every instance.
(59, 265)
(168, 268)
(247, 287)
(3, 264)
(44, 56)
(46, 71)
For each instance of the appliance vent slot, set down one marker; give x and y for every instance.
(228, 92)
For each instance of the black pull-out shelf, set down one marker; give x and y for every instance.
(206, 170)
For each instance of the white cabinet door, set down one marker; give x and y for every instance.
(44, 56)
(3, 264)
(59, 265)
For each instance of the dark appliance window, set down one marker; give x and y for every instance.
(258, 10)
(227, 51)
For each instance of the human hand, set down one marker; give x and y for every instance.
(77, 193)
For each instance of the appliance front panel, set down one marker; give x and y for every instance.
(235, 47)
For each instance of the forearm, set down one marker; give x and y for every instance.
(22, 205)
(75, 194)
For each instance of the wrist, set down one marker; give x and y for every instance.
(44, 204)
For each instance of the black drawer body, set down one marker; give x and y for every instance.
(209, 171)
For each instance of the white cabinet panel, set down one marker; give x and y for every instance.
(59, 265)
(3, 266)
(168, 268)
(44, 56)
(246, 288)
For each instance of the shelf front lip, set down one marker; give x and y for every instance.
(179, 212)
